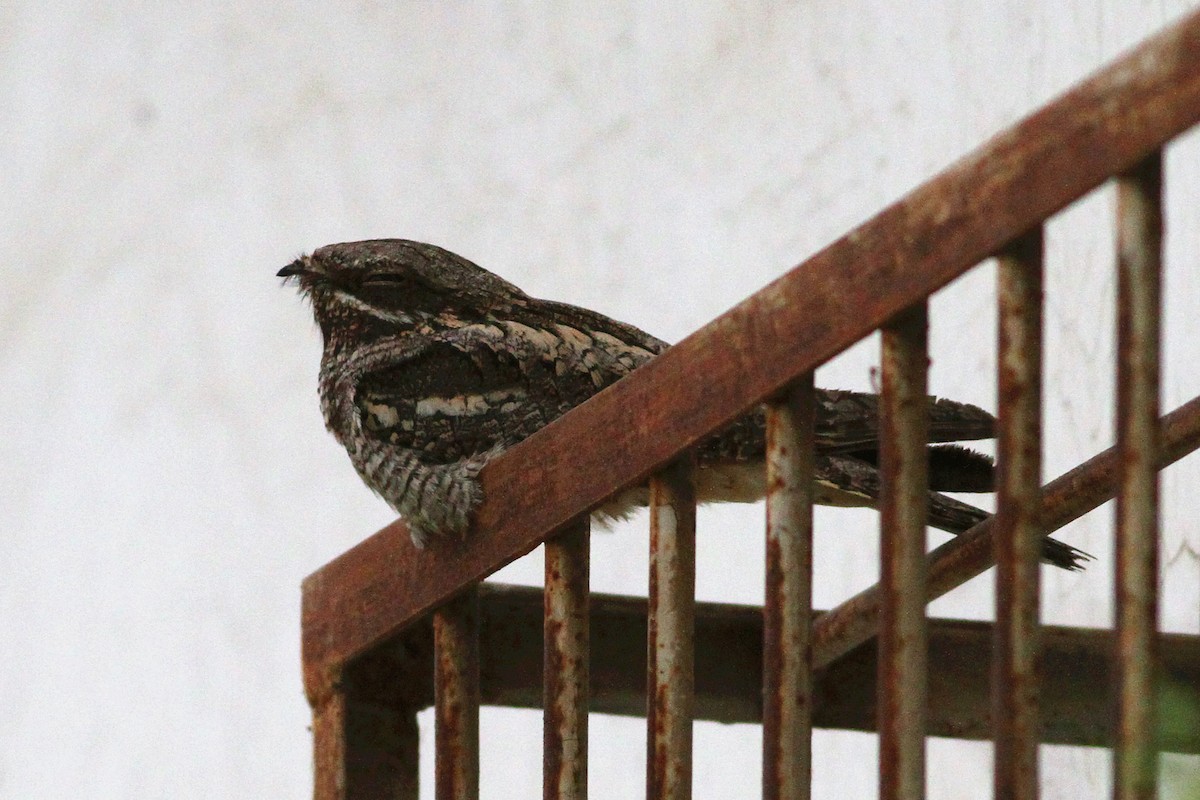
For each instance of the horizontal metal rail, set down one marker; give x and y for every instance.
(729, 659)
(854, 286)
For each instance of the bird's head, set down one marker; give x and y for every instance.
(387, 285)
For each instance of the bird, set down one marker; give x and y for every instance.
(432, 366)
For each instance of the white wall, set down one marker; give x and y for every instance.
(166, 478)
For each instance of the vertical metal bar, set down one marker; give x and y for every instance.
(787, 610)
(329, 748)
(456, 698)
(565, 665)
(670, 647)
(1139, 266)
(902, 639)
(1018, 538)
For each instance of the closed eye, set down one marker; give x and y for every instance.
(385, 279)
(398, 291)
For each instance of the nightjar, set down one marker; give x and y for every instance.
(432, 365)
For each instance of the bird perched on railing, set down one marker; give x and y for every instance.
(433, 365)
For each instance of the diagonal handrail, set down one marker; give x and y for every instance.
(812, 313)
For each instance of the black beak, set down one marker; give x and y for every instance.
(294, 268)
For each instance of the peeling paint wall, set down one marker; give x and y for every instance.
(166, 477)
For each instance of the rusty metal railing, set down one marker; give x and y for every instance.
(371, 657)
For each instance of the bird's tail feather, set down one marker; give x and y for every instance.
(953, 516)
(954, 468)
(848, 422)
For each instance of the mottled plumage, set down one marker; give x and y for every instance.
(432, 365)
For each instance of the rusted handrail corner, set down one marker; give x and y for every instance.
(812, 313)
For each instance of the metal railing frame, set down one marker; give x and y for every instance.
(369, 656)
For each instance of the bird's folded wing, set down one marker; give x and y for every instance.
(479, 387)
